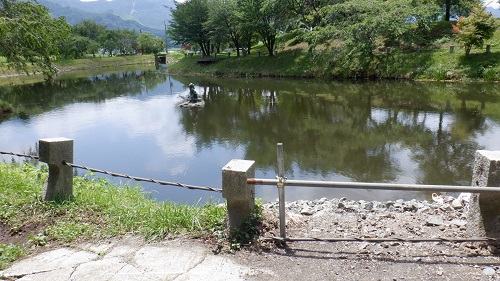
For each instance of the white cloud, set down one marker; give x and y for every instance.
(492, 3)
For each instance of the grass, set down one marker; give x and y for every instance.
(99, 210)
(10, 253)
(431, 63)
(86, 66)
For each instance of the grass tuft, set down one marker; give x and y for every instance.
(99, 210)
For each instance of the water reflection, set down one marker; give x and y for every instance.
(375, 132)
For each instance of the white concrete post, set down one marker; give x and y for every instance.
(240, 196)
(484, 209)
(59, 184)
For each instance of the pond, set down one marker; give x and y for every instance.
(130, 123)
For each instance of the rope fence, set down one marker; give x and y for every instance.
(113, 174)
(205, 188)
(241, 173)
(20, 155)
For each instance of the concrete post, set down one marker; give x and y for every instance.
(240, 196)
(59, 184)
(452, 49)
(484, 209)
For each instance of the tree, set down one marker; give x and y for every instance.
(110, 41)
(28, 34)
(474, 29)
(89, 29)
(149, 43)
(362, 26)
(455, 8)
(265, 17)
(77, 46)
(128, 41)
(188, 24)
(222, 23)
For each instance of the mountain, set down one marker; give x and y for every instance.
(151, 13)
(109, 19)
(493, 11)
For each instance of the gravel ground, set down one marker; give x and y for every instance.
(443, 217)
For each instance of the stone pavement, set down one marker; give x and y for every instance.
(129, 258)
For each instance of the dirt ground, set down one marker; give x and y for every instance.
(373, 261)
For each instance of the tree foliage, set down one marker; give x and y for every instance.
(456, 8)
(362, 26)
(188, 24)
(28, 34)
(148, 43)
(473, 30)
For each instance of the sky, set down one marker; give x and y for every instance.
(492, 3)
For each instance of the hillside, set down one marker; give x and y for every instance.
(108, 18)
(150, 13)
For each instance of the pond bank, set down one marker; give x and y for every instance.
(431, 65)
(81, 67)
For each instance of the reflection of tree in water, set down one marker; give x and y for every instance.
(353, 130)
(41, 97)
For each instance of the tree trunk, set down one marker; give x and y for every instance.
(447, 10)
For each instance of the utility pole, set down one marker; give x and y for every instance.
(166, 37)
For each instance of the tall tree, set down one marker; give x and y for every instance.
(110, 41)
(456, 8)
(90, 29)
(223, 23)
(28, 34)
(266, 18)
(188, 24)
(149, 43)
(364, 25)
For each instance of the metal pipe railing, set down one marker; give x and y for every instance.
(378, 186)
(281, 189)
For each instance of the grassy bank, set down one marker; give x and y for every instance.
(99, 210)
(434, 62)
(87, 66)
(425, 65)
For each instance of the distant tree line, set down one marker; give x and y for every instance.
(30, 36)
(355, 26)
(88, 37)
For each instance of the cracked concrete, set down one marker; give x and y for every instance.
(129, 258)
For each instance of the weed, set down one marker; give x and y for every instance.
(10, 253)
(99, 210)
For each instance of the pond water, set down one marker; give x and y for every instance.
(130, 122)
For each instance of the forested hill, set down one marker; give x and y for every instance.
(111, 18)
